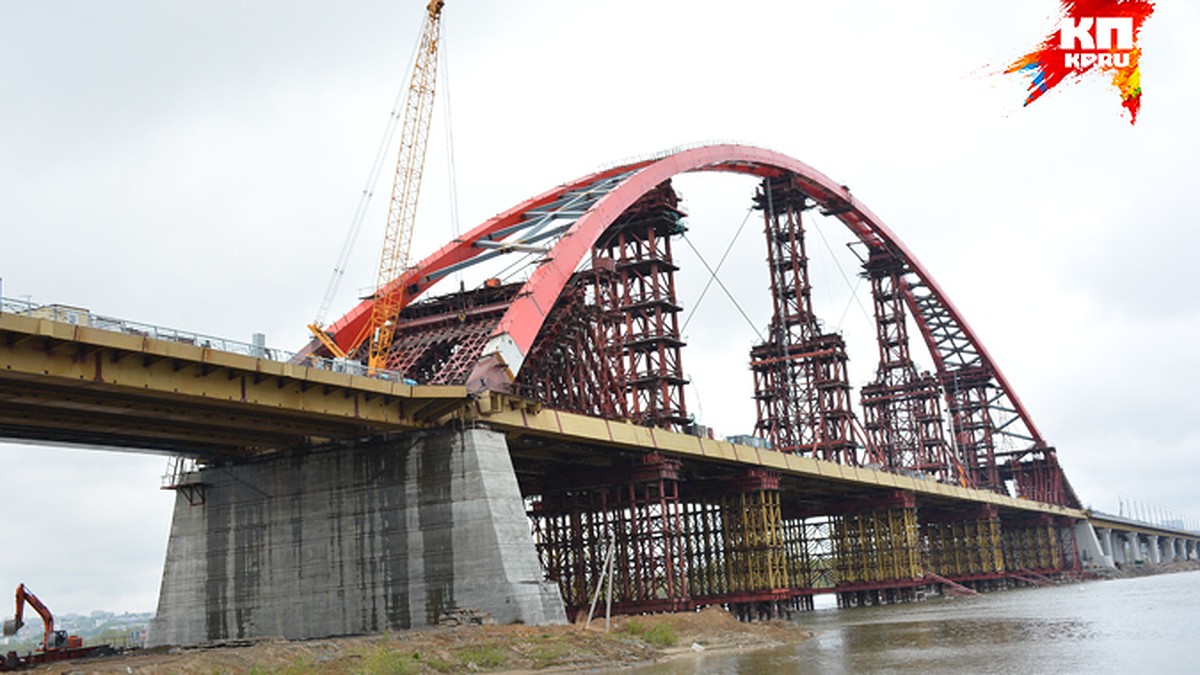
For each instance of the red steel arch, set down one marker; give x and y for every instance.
(962, 362)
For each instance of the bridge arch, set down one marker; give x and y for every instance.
(573, 216)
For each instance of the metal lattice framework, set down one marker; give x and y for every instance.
(577, 235)
(901, 407)
(801, 385)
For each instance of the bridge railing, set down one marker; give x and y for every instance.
(80, 316)
(1165, 522)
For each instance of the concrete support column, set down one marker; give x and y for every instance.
(1120, 549)
(1155, 551)
(1135, 547)
(1090, 547)
(350, 540)
(1104, 535)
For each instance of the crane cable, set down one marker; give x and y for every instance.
(364, 201)
(380, 329)
(451, 169)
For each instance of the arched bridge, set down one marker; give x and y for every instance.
(532, 438)
(594, 328)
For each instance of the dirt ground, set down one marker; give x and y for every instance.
(461, 649)
(489, 648)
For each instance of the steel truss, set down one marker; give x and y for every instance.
(573, 365)
(1034, 545)
(800, 381)
(610, 346)
(737, 551)
(438, 341)
(640, 309)
(902, 413)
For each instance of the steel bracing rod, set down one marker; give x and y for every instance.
(566, 210)
(570, 206)
(495, 249)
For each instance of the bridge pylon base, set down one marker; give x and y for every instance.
(350, 540)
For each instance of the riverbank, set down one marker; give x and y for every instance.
(464, 649)
(1144, 569)
(632, 641)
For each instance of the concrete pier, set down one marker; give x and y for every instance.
(1094, 546)
(348, 540)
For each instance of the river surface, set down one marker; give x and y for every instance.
(1141, 625)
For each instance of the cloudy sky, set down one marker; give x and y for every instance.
(197, 164)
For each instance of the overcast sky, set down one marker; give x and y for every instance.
(196, 165)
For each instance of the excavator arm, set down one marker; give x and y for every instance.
(14, 624)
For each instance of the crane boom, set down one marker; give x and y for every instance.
(406, 189)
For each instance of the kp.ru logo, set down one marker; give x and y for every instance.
(1093, 35)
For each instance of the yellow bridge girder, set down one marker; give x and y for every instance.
(76, 384)
(519, 418)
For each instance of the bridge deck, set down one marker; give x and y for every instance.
(75, 384)
(579, 435)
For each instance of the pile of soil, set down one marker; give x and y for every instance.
(464, 649)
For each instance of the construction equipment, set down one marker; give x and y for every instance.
(57, 645)
(402, 211)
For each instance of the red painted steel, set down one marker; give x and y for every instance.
(901, 407)
(801, 386)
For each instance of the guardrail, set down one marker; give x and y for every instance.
(1163, 522)
(80, 316)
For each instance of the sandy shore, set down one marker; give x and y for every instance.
(463, 649)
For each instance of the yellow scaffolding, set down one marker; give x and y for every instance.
(755, 557)
(965, 547)
(877, 546)
(1033, 547)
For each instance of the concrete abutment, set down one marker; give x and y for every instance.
(367, 538)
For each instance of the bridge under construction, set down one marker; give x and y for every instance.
(524, 444)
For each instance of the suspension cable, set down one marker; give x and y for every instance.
(722, 285)
(708, 284)
(853, 287)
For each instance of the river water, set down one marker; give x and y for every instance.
(1140, 625)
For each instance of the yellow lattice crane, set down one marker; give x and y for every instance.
(406, 189)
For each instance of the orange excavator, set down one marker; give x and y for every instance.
(57, 645)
